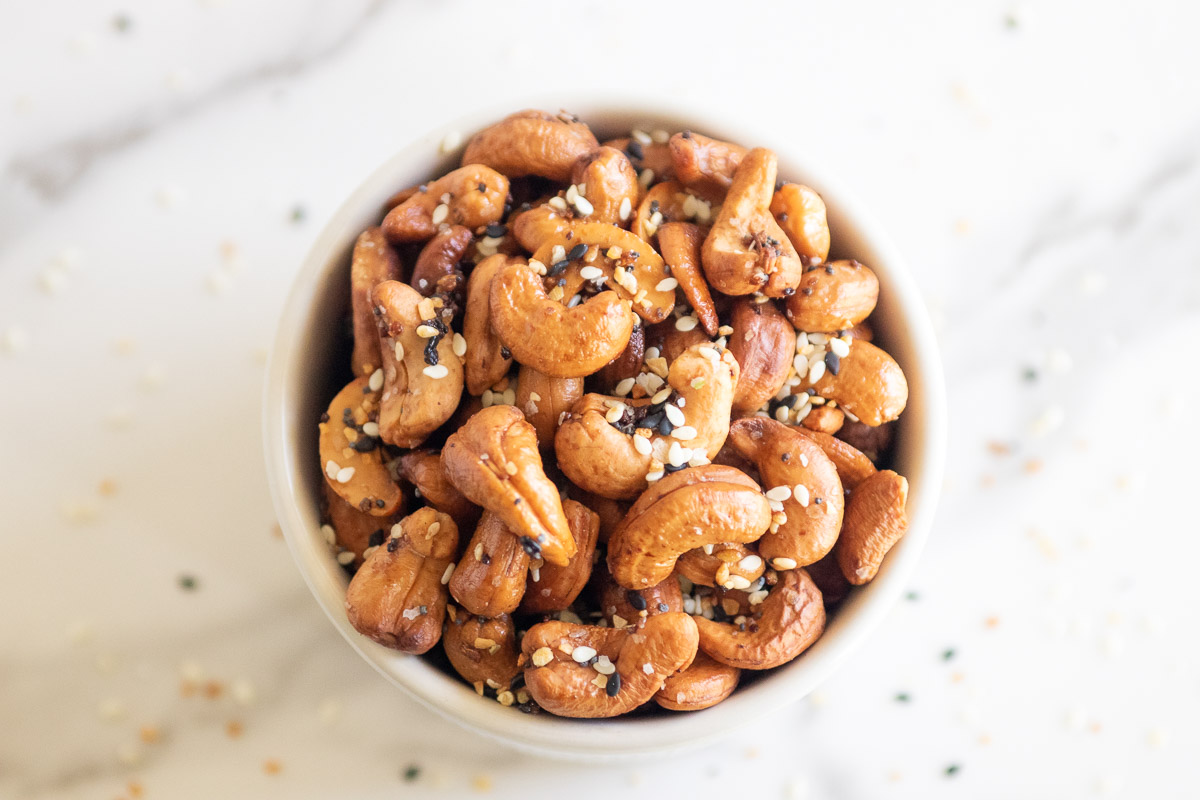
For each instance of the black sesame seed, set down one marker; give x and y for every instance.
(652, 420)
(187, 583)
(912, 597)
(669, 468)
(663, 608)
(393, 545)
(365, 444)
(1029, 374)
(634, 150)
(818, 500)
(122, 23)
(833, 362)
(665, 427)
(325, 416)
(636, 600)
(789, 402)
(828, 270)
(559, 267)
(779, 184)
(531, 547)
(495, 230)
(783, 217)
(482, 187)
(788, 292)
(364, 504)
(411, 773)
(376, 538)
(431, 353)
(576, 252)
(806, 291)
(686, 134)
(486, 559)
(424, 610)
(653, 207)
(811, 392)
(614, 684)
(380, 503)
(505, 352)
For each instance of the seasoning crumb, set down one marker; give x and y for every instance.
(948, 654)
(481, 783)
(298, 215)
(903, 697)
(912, 597)
(234, 729)
(272, 766)
(108, 487)
(952, 770)
(992, 622)
(411, 773)
(188, 583)
(150, 734)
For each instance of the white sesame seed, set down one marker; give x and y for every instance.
(440, 213)
(626, 209)
(779, 493)
(815, 371)
(625, 386)
(645, 178)
(737, 582)
(375, 382)
(800, 364)
(450, 142)
(370, 428)
(345, 557)
(426, 331)
(642, 445)
(537, 266)
(328, 534)
(437, 371)
(542, 656)
(14, 340)
(399, 350)
(698, 459)
(781, 413)
(651, 477)
(557, 203)
(583, 653)
(641, 136)
(510, 397)
(750, 563)
(331, 468)
(571, 194)
(648, 668)
(674, 414)
(488, 398)
(655, 220)
(614, 412)
(801, 494)
(345, 474)
(783, 563)
(839, 348)
(459, 345)
(818, 338)
(448, 573)
(803, 460)
(583, 206)
(775, 505)
(557, 253)
(661, 396)
(591, 273)
(675, 455)
(604, 666)
(803, 412)
(684, 433)
(667, 285)
(757, 597)
(1048, 421)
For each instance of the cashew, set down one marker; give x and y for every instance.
(423, 382)
(779, 628)
(486, 361)
(702, 685)
(549, 336)
(609, 182)
(554, 588)
(828, 577)
(493, 460)
(481, 650)
(663, 203)
(397, 598)
(354, 469)
(833, 297)
(708, 165)
(655, 157)
(853, 467)
(643, 659)
(687, 509)
(538, 223)
(423, 469)
(814, 502)
(872, 442)
(862, 331)
(801, 213)
(746, 251)
(623, 607)
(373, 262)
(602, 457)
(825, 419)
(672, 342)
(875, 521)
(489, 579)
(868, 383)
(400, 196)
(763, 342)
(532, 143)
(544, 400)
(681, 244)
(355, 530)
(628, 364)
(730, 566)
(610, 511)
(437, 267)
(473, 196)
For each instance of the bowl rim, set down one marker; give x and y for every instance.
(615, 739)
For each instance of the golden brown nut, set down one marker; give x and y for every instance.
(545, 334)
(610, 511)
(828, 577)
(544, 400)
(642, 658)
(687, 509)
(494, 461)
(610, 185)
(862, 331)
(824, 419)
(439, 259)
(422, 377)
(532, 143)
(672, 342)
(708, 165)
(623, 607)
(763, 342)
(535, 225)
(801, 213)
(793, 465)
(729, 565)
(423, 469)
(374, 261)
(400, 196)
(471, 196)
(356, 530)
(486, 361)
(746, 251)
(663, 203)
(853, 467)
(833, 297)
(553, 588)
(875, 520)
(779, 628)
(681, 244)
(626, 365)
(489, 579)
(872, 442)
(397, 597)
(702, 685)
(354, 469)
(482, 650)
(653, 156)
(868, 383)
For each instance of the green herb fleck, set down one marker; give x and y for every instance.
(948, 654)
(952, 770)
(299, 214)
(912, 597)
(188, 583)
(412, 772)
(122, 22)
(1029, 374)
(903, 697)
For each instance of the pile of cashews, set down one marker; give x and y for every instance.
(617, 428)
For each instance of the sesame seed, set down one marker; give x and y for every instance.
(483, 644)
(641, 137)
(818, 338)
(450, 142)
(331, 469)
(557, 203)
(437, 371)
(375, 383)
(801, 494)
(839, 347)
(674, 414)
(684, 433)
(558, 253)
(591, 273)
(783, 563)
(779, 493)
(815, 371)
(667, 285)
(344, 474)
(346, 557)
(571, 193)
(537, 266)
(510, 468)
(542, 656)
(642, 445)
(648, 668)
(615, 412)
(459, 344)
(604, 666)
(440, 213)
(626, 209)
(651, 477)
(427, 331)
(583, 653)
(781, 413)
(645, 178)
(755, 598)
(328, 534)
(737, 582)
(583, 206)
(625, 386)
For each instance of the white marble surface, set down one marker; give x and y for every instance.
(1039, 164)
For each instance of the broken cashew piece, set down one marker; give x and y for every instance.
(489, 579)
(532, 143)
(351, 458)
(482, 650)
(875, 521)
(373, 262)
(486, 361)
(470, 196)
(702, 685)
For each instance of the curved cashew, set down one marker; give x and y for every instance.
(422, 377)
(681, 244)
(708, 165)
(875, 521)
(536, 224)
(824, 419)
(423, 469)
(610, 511)
(853, 467)
(730, 566)
(628, 364)
(493, 460)
(374, 261)
(554, 588)
(604, 457)
(801, 213)
(489, 579)
(702, 685)
(544, 400)
(828, 577)
(610, 185)
(672, 342)
(833, 297)
(867, 382)
(746, 251)
(549, 336)
(780, 628)
(642, 659)
(704, 505)
(482, 650)
(812, 501)
(655, 157)
(622, 607)
(486, 361)
(437, 267)
(532, 143)
(397, 598)
(355, 530)
(764, 343)
(351, 458)
(668, 202)
(470, 196)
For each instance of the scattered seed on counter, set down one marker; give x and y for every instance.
(272, 766)
(14, 340)
(298, 214)
(188, 583)
(169, 197)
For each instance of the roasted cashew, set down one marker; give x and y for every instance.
(422, 377)
(872, 442)
(423, 469)
(397, 597)
(351, 458)
(702, 685)
(532, 143)
(867, 382)
(482, 650)
(654, 156)
(549, 336)
(824, 419)
(374, 261)
(538, 223)
(779, 628)
(400, 196)
(604, 457)
(673, 342)
(544, 400)
(828, 577)
(746, 251)
(669, 202)
(681, 244)
(437, 270)
(801, 213)
(853, 467)
(566, 683)
(627, 365)
(811, 499)
(355, 530)
(687, 509)
(875, 520)
(553, 588)
(490, 578)
(833, 297)
(622, 608)
(470, 196)
(487, 360)
(707, 165)
(610, 185)
(764, 343)
(610, 511)
(729, 565)
(493, 460)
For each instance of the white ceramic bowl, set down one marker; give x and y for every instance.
(302, 378)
